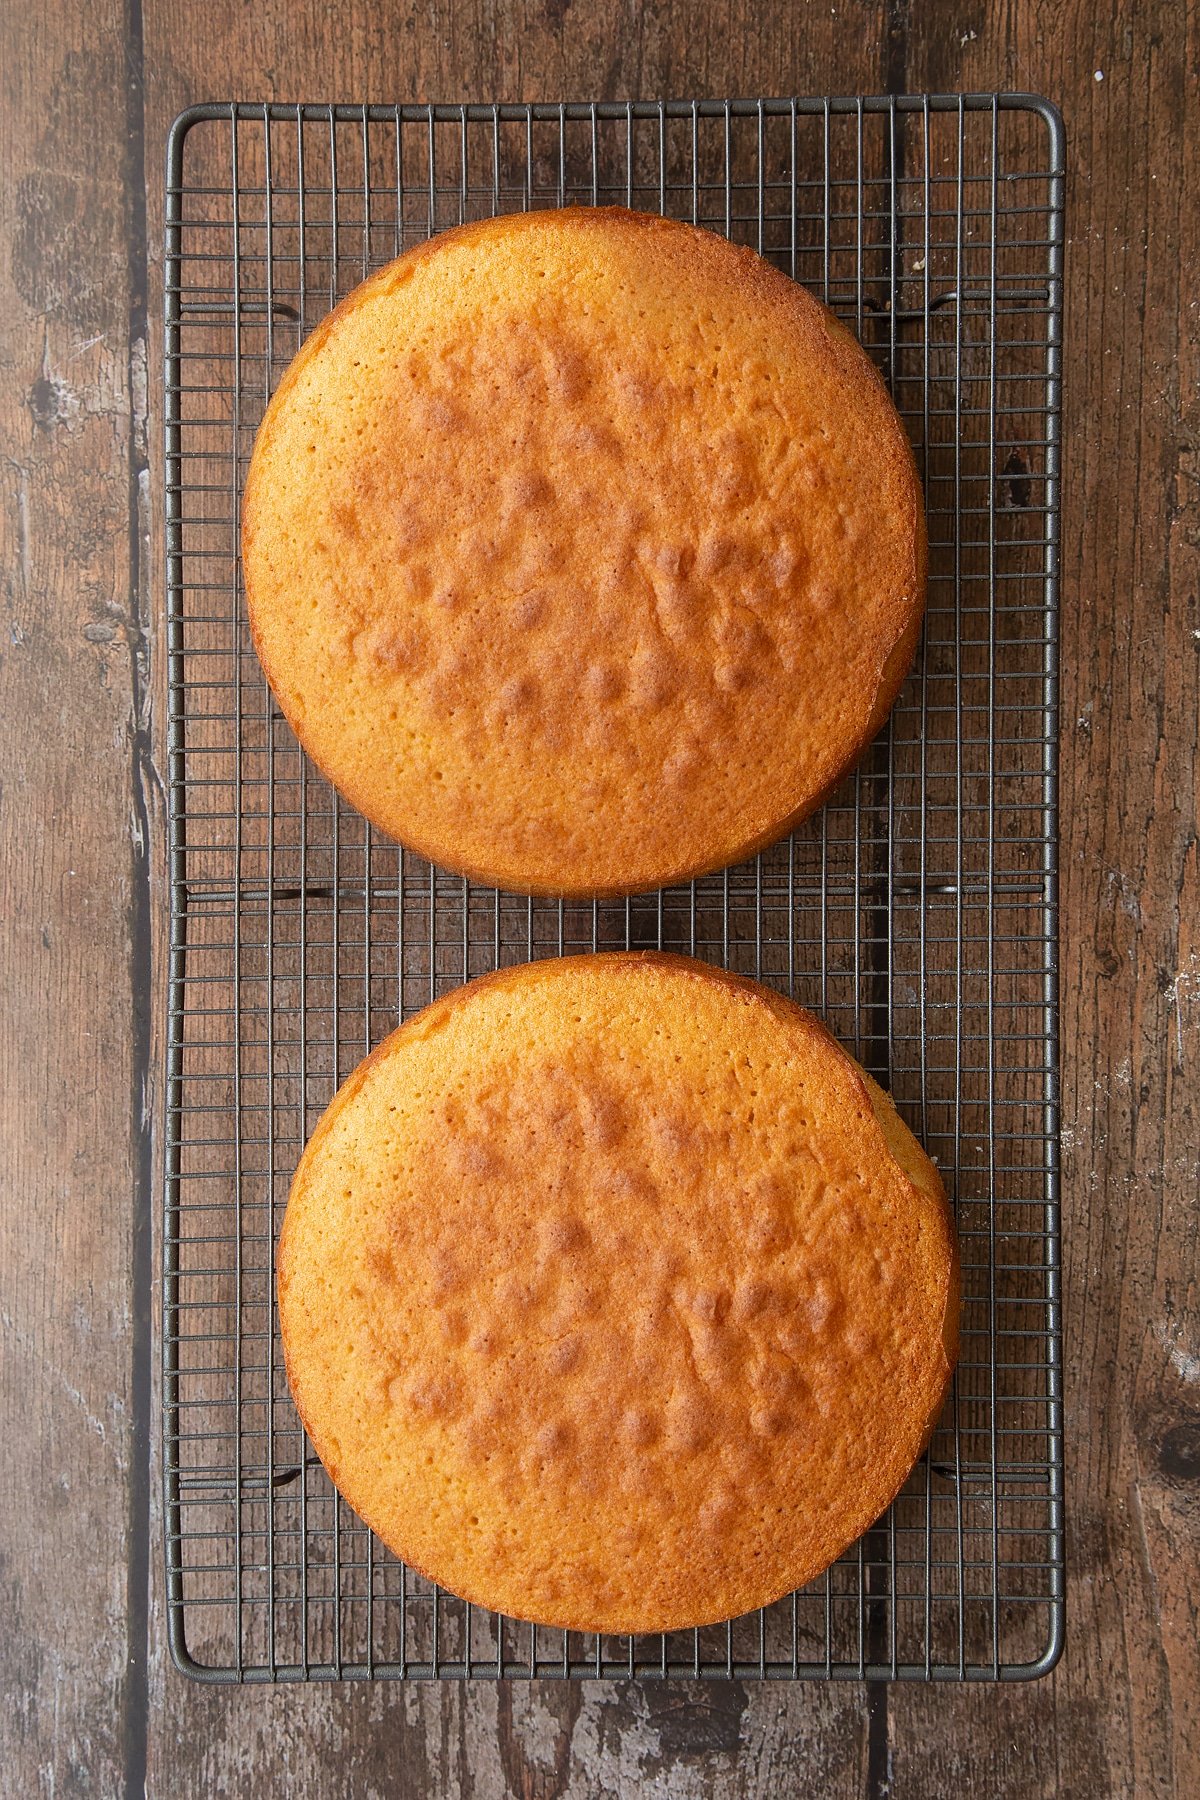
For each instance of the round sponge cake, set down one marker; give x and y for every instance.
(583, 550)
(615, 1296)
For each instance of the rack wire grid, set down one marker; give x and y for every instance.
(916, 912)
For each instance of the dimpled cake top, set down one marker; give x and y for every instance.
(615, 1296)
(584, 551)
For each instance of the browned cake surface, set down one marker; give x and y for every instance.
(614, 1296)
(583, 551)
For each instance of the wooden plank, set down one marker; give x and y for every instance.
(548, 1739)
(1120, 1714)
(72, 897)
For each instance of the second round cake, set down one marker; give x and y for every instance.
(615, 1296)
(584, 550)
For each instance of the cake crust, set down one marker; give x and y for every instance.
(615, 1296)
(584, 551)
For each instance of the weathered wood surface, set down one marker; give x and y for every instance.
(87, 97)
(74, 906)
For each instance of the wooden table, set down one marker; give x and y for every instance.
(92, 1704)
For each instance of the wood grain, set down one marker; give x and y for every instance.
(72, 425)
(1119, 1716)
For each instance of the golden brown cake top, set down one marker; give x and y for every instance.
(584, 550)
(614, 1297)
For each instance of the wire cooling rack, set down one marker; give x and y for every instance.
(916, 912)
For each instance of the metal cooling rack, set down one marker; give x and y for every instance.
(916, 912)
